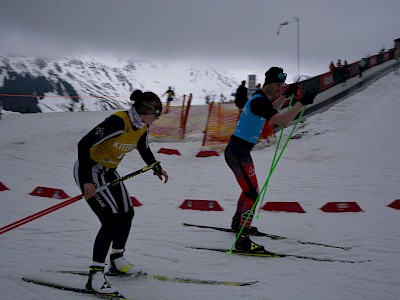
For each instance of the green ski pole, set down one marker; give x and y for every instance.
(264, 188)
(279, 157)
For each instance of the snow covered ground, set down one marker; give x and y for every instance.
(347, 153)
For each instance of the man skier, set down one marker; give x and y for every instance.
(262, 105)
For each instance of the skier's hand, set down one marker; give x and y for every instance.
(163, 175)
(291, 90)
(89, 190)
(158, 170)
(308, 98)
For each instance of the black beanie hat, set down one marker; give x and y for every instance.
(274, 75)
(146, 103)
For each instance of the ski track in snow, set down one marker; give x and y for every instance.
(347, 153)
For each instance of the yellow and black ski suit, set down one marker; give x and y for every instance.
(99, 153)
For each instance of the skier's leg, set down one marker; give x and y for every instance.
(241, 163)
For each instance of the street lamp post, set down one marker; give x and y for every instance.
(295, 20)
(1, 106)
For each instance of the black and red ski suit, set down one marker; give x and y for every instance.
(257, 110)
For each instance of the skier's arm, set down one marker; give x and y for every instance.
(284, 119)
(264, 108)
(287, 117)
(148, 157)
(278, 103)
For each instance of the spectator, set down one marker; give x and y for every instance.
(380, 55)
(339, 71)
(222, 98)
(346, 71)
(241, 95)
(332, 67)
(333, 70)
(362, 66)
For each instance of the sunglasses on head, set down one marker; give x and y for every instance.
(282, 76)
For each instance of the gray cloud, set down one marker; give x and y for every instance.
(233, 34)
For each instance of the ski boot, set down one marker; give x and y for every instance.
(246, 245)
(97, 282)
(120, 266)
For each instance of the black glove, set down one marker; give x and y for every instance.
(308, 98)
(291, 90)
(157, 169)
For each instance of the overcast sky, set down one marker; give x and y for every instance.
(236, 35)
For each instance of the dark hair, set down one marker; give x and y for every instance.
(136, 96)
(146, 103)
(274, 75)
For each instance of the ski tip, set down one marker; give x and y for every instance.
(113, 296)
(240, 283)
(250, 283)
(121, 297)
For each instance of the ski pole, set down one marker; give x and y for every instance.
(273, 160)
(263, 190)
(279, 157)
(276, 151)
(39, 214)
(72, 200)
(133, 174)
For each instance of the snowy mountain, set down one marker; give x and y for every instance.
(87, 83)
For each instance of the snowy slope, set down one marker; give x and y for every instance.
(347, 153)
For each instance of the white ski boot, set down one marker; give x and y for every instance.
(97, 282)
(120, 266)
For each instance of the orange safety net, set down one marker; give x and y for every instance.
(172, 123)
(221, 124)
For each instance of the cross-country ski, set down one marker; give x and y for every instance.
(162, 278)
(268, 235)
(63, 287)
(268, 254)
